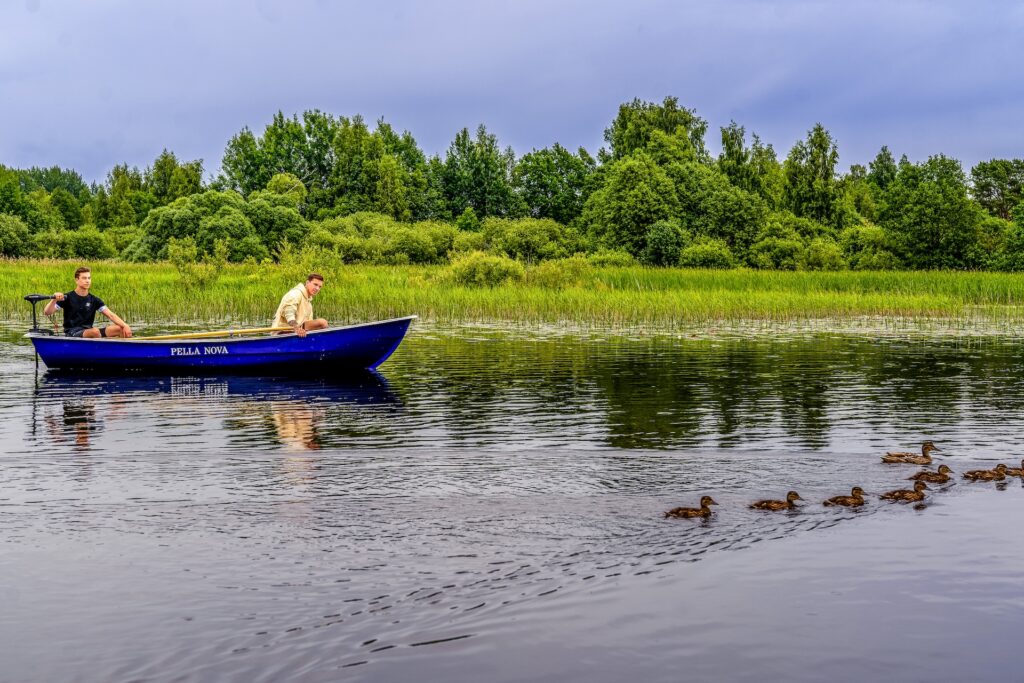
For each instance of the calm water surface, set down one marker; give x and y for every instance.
(489, 507)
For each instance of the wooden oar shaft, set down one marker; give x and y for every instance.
(219, 333)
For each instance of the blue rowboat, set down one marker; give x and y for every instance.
(332, 352)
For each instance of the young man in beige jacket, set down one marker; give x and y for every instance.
(296, 309)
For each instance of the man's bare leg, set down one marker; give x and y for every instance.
(96, 333)
(317, 324)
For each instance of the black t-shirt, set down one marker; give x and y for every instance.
(79, 311)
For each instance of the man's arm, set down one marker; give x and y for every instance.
(51, 307)
(290, 313)
(114, 318)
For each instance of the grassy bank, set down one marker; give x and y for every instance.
(607, 297)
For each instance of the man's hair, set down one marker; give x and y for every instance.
(81, 270)
(315, 276)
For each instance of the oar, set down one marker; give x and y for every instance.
(219, 333)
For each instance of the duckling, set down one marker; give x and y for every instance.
(1016, 471)
(906, 495)
(777, 504)
(702, 511)
(855, 499)
(998, 474)
(940, 477)
(913, 458)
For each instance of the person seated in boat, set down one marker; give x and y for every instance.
(296, 308)
(80, 309)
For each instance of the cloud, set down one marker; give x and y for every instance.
(89, 85)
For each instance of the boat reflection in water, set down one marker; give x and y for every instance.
(293, 414)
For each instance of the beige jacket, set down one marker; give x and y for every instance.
(295, 306)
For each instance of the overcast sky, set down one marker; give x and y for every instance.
(91, 84)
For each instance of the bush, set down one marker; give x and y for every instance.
(468, 241)
(89, 243)
(611, 258)
(868, 247)
(122, 236)
(14, 237)
(468, 222)
(184, 254)
(527, 239)
(51, 244)
(665, 240)
(142, 250)
(824, 253)
(478, 269)
(558, 273)
(406, 245)
(778, 247)
(320, 237)
(707, 253)
(249, 248)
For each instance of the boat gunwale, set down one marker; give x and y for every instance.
(208, 340)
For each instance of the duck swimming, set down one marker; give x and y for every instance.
(998, 474)
(777, 504)
(940, 477)
(922, 458)
(702, 511)
(855, 499)
(906, 495)
(1016, 471)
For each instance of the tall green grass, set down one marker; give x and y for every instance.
(154, 294)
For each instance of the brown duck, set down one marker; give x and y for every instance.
(998, 474)
(906, 495)
(922, 458)
(777, 504)
(702, 511)
(1016, 471)
(855, 499)
(940, 477)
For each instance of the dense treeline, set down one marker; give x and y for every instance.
(654, 194)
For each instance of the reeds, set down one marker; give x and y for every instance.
(604, 297)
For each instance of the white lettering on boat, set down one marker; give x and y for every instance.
(199, 350)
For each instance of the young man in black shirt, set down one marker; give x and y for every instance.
(80, 309)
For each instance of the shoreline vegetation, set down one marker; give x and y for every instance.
(653, 195)
(569, 295)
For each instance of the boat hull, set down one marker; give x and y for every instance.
(331, 352)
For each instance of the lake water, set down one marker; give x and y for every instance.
(489, 507)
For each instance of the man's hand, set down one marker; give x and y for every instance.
(126, 331)
(59, 296)
(299, 330)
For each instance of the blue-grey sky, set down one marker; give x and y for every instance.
(91, 84)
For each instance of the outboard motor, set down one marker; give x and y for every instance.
(34, 299)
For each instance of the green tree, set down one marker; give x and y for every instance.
(14, 236)
(933, 221)
(50, 179)
(998, 185)
(637, 193)
(478, 174)
(665, 242)
(390, 191)
(289, 186)
(754, 169)
(553, 182)
(883, 169)
(305, 148)
(634, 126)
(810, 171)
(67, 206)
(712, 207)
(167, 179)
